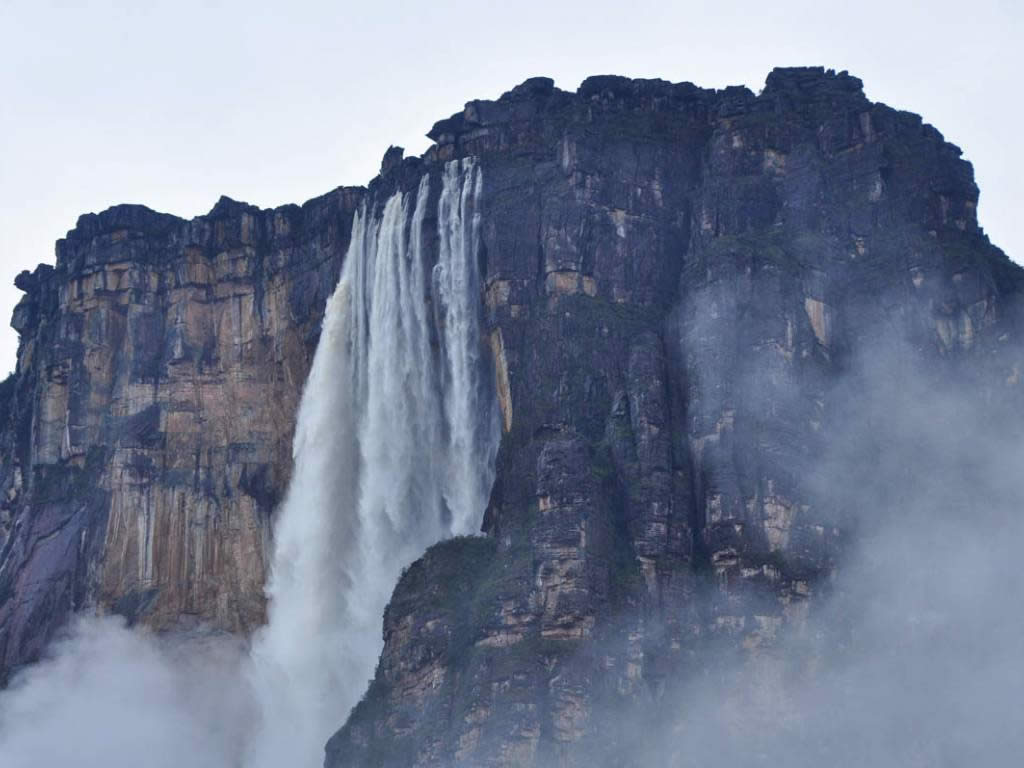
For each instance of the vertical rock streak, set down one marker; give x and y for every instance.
(394, 450)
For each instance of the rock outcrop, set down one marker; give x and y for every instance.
(148, 428)
(675, 278)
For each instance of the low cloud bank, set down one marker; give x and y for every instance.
(916, 657)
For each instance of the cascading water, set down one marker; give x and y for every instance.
(394, 450)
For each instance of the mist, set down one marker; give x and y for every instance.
(105, 695)
(912, 654)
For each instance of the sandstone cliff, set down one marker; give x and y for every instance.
(675, 278)
(148, 427)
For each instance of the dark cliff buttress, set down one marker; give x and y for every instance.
(674, 280)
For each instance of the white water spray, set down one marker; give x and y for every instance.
(394, 450)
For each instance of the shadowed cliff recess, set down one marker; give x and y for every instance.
(756, 368)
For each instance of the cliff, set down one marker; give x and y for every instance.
(675, 281)
(148, 426)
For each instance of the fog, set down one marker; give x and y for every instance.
(916, 657)
(108, 696)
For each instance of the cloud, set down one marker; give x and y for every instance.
(913, 654)
(109, 696)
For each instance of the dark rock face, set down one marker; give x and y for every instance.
(147, 431)
(675, 278)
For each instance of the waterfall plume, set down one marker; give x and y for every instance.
(394, 450)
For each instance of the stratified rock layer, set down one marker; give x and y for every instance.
(150, 419)
(675, 278)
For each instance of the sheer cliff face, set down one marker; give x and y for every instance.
(149, 424)
(675, 278)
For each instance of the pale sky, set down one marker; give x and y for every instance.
(172, 104)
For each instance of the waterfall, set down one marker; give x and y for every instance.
(394, 450)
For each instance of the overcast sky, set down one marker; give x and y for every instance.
(172, 104)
